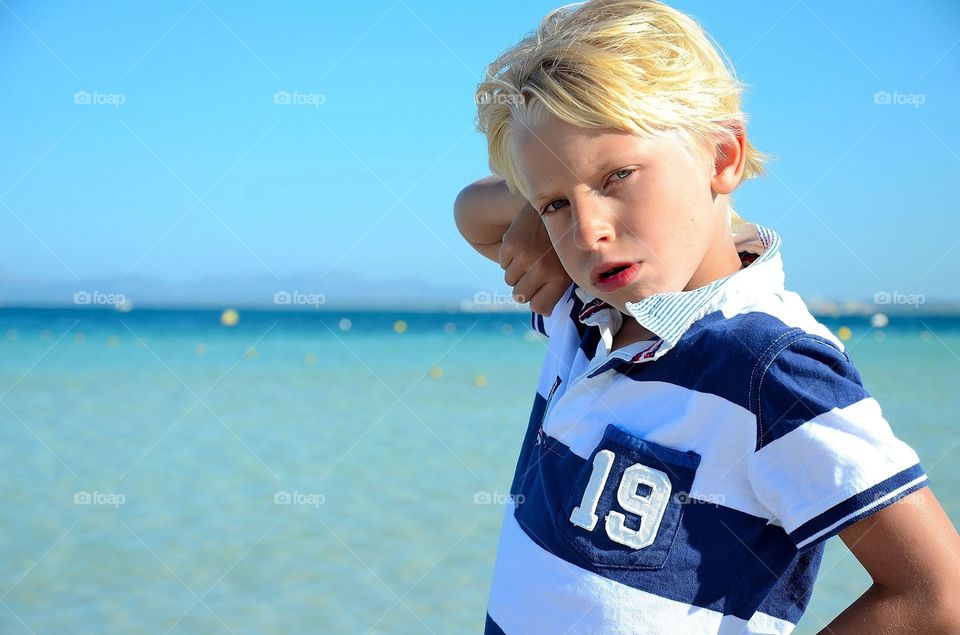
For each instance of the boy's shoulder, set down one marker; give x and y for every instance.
(762, 328)
(773, 352)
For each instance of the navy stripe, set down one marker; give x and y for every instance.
(805, 376)
(533, 425)
(697, 546)
(791, 594)
(492, 628)
(858, 502)
(716, 355)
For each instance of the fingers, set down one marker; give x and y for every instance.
(527, 287)
(515, 272)
(542, 294)
(546, 298)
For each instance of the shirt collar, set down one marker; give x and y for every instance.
(669, 315)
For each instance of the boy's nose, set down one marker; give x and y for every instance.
(590, 226)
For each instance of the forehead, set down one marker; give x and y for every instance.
(552, 153)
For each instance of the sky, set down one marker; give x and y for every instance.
(171, 141)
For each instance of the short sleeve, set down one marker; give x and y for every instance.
(825, 456)
(544, 324)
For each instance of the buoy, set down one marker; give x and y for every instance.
(844, 333)
(230, 317)
(479, 381)
(345, 324)
(436, 372)
(400, 326)
(879, 320)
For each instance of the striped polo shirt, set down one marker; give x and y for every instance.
(687, 483)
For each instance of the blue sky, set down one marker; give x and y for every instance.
(199, 173)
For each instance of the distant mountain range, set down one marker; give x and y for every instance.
(307, 292)
(347, 290)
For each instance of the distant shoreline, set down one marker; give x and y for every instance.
(930, 310)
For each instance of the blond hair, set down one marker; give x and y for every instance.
(633, 65)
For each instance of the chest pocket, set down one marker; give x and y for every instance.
(627, 501)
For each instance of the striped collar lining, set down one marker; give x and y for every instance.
(669, 315)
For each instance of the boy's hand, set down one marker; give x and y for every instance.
(530, 263)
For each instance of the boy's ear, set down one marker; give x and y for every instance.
(729, 159)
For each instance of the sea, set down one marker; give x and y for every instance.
(201, 471)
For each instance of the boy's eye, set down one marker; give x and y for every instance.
(546, 209)
(624, 172)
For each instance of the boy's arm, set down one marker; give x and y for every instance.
(912, 552)
(506, 229)
(483, 211)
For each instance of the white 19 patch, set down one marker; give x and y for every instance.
(649, 508)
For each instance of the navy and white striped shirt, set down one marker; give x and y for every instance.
(687, 483)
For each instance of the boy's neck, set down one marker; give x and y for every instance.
(720, 261)
(630, 333)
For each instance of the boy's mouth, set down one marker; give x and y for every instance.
(612, 276)
(613, 271)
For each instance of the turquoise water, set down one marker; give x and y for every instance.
(296, 474)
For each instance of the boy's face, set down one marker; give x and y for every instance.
(610, 199)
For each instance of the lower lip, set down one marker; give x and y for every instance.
(622, 279)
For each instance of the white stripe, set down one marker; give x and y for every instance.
(825, 461)
(720, 431)
(759, 624)
(534, 591)
(862, 510)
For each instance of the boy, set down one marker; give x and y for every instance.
(696, 435)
